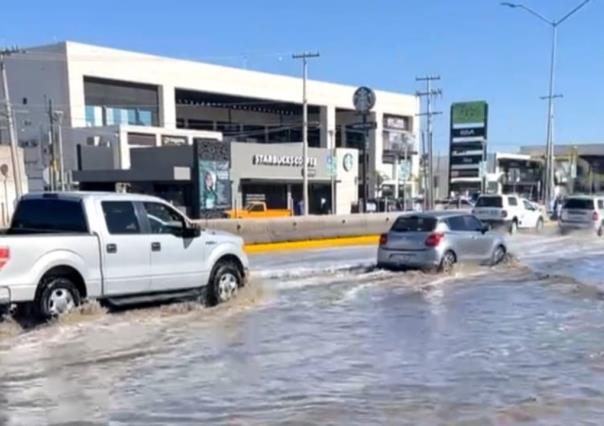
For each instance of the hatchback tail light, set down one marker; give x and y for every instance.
(4, 256)
(595, 217)
(383, 239)
(504, 213)
(434, 239)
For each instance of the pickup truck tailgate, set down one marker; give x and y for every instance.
(26, 258)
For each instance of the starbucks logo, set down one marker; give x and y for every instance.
(348, 162)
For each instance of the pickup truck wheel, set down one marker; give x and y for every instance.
(224, 284)
(57, 296)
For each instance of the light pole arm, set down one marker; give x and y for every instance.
(572, 12)
(537, 14)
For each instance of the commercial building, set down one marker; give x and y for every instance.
(515, 174)
(578, 168)
(505, 173)
(125, 100)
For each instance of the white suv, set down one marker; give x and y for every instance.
(582, 212)
(508, 211)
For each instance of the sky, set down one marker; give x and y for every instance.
(481, 50)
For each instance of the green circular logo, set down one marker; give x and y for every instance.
(348, 162)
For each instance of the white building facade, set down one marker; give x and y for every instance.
(97, 88)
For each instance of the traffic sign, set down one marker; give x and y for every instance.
(370, 125)
(363, 99)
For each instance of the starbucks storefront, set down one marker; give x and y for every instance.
(272, 173)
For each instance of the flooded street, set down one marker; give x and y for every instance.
(323, 338)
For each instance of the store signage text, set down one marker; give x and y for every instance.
(395, 123)
(282, 160)
(468, 132)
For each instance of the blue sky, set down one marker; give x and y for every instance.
(480, 49)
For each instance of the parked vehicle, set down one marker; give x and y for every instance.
(256, 210)
(509, 212)
(439, 240)
(582, 212)
(459, 204)
(62, 248)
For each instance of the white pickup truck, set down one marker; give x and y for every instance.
(63, 248)
(509, 212)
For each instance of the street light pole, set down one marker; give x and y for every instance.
(549, 143)
(305, 56)
(550, 186)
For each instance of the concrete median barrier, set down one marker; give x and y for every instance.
(293, 229)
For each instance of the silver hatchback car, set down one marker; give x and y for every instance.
(438, 240)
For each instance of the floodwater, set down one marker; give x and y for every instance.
(323, 338)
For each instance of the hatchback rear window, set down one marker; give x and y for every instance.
(414, 224)
(579, 203)
(489, 202)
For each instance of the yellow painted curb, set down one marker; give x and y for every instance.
(312, 244)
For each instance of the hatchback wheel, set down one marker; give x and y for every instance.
(498, 255)
(539, 226)
(448, 261)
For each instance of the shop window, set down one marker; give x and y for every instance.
(145, 118)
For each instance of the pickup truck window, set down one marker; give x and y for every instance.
(48, 216)
(164, 220)
(489, 202)
(120, 217)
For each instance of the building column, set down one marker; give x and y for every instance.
(167, 107)
(328, 122)
(122, 151)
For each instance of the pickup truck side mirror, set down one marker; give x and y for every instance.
(191, 232)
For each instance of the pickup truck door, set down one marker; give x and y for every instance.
(124, 250)
(177, 262)
(530, 216)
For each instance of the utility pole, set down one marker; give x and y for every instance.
(52, 167)
(333, 171)
(58, 117)
(305, 56)
(12, 134)
(429, 94)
